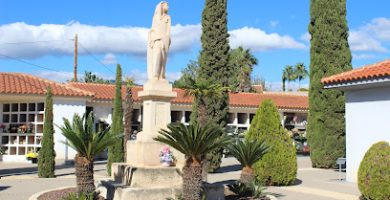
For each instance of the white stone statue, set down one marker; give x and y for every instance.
(159, 40)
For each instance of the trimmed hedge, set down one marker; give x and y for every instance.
(374, 172)
(279, 165)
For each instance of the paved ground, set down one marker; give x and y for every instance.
(19, 181)
(312, 184)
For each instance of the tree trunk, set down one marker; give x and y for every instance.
(202, 114)
(84, 175)
(128, 119)
(299, 83)
(247, 175)
(192, 181)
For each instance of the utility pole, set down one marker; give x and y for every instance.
(75, 58)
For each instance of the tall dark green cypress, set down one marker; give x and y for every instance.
(214, 68)
(329, 55)
(47, 155)
(116, 152)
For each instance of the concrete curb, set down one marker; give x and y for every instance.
(36, 195)
(272, 197)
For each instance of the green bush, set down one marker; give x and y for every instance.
(279, 165)
(374, 172)
(82, 196)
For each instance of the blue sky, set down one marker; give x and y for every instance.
(115, 32)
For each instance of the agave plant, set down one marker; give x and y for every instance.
(194, 141)
(248, 153)
(82, 137)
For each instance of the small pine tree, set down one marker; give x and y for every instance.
(46, 158)
(115, 152)
(279, 165)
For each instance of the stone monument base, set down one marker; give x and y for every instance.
(146, 153)
(139, 183)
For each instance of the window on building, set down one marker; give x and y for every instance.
(187, 116)
(176, 116)
(231, 117)
(136, 116)
(251, 116)
(242, 118)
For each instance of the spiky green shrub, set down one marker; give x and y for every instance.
(248, 153)
(47, 155)
(116, 152)
(88, 143)
(193, 141)
(374, 172)
(279, 165)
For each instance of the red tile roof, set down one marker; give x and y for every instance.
(284, 101)
(17, 83)
(377, 70)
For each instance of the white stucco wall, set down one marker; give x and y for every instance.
(65, 108)
(102, 111)
(367, 122)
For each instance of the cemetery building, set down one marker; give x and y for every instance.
(367, 92)
(22, 99)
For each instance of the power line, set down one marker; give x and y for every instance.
(33, 42)
(95, 58)
(29, 63)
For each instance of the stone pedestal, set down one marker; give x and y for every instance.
(143, 177)
(156, 96)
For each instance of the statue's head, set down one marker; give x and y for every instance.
(161, 8)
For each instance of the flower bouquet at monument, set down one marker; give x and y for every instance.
(166, 157)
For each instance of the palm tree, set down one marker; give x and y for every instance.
(284, 79)
(82, 137)
(248, 153)
(194, 141)
(201, 90)
(301, 73)
(243, 62)
(289, 74)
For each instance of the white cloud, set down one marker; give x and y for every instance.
(60, 76)
(258, 40)
(380, 28)
(109, 59)
(362, 41)
(140, 77)
(97, 39)
(123, 40)
(306, 37)
(371, 36)
(363, 56)
(64, 76)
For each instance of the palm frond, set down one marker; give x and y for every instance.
(193, 140)
(82, 137)
(248, 152)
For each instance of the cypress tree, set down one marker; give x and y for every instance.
(46, 158)
(128, 116)
(329, 55)
(279, 165)
(115, 152)
(214, 68)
